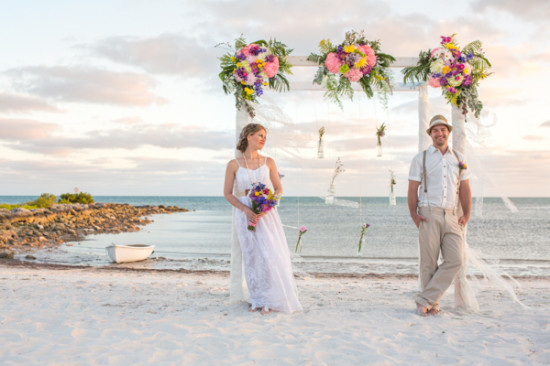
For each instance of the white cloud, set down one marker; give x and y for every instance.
(86, 84)
(25, 129)
(529, 11)
(13, 103)
(35, 137)
(162, 54)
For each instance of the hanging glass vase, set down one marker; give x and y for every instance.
(379, 149)
(361, 247)
(320, 149)
(329, 199)
(393, 201)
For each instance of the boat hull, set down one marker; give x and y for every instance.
(129, 252)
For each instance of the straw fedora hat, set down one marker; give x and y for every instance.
(438, 120)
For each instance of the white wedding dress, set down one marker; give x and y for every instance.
(265, 255)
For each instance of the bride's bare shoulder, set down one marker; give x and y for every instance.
(270, 162)
(233, 165)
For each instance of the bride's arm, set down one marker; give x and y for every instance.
(274, 177)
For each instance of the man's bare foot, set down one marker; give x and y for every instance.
(421, 310)
(265, 311)
(434, 311)
(253, 310)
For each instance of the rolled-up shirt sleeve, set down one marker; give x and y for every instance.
(415, 171)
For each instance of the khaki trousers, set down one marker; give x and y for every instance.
(441, 234)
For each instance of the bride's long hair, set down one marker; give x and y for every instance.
(247, 130)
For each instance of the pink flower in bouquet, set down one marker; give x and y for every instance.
(452, 90)
(434, 81)
(369, 54)
(272, 66)
(251, 79)
(333, 62)
(353, 75)
(303, 229)
(249, 49)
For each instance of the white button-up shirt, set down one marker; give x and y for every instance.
(442, 175)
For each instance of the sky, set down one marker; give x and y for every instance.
(122, 97)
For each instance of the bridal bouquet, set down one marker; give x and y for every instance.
(457, 72)
(251, 67)
(354, 60)
(262, 199)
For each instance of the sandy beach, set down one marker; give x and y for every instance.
(93, 316)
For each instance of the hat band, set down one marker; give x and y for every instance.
(439, 121)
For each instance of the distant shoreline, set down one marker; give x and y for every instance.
(22, 229)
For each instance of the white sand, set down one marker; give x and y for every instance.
(105, 317)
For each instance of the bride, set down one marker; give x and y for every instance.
(265, 254)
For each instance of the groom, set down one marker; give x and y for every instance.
(443, 178)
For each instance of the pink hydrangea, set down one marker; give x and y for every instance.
(369, 52)
(353, 75)
(246, 49)
(333, 62)
(272, 67)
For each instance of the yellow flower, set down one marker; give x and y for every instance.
(361, 63)
(451, 46)
(265, 82)
(446, 69)
(238, 64)
(248, 90)
(349, 49)
(256, 193)
(233, 58)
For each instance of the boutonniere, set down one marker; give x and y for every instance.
(461, 165)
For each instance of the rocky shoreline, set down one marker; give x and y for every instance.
(22, 229)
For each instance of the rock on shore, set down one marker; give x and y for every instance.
(21, 228)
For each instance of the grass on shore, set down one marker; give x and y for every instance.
(47, 200)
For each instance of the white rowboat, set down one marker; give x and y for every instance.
(129, 252)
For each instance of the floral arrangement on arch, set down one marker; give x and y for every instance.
(457, 72)
(354, 60)
(248, 68)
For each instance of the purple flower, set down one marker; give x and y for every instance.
(467, 80)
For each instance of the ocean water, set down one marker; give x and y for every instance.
(517, 243)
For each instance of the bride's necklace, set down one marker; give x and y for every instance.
(248, 170)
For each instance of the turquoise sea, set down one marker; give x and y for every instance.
(515, 242)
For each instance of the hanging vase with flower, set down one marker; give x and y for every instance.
(321, 144)
(380, 132)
